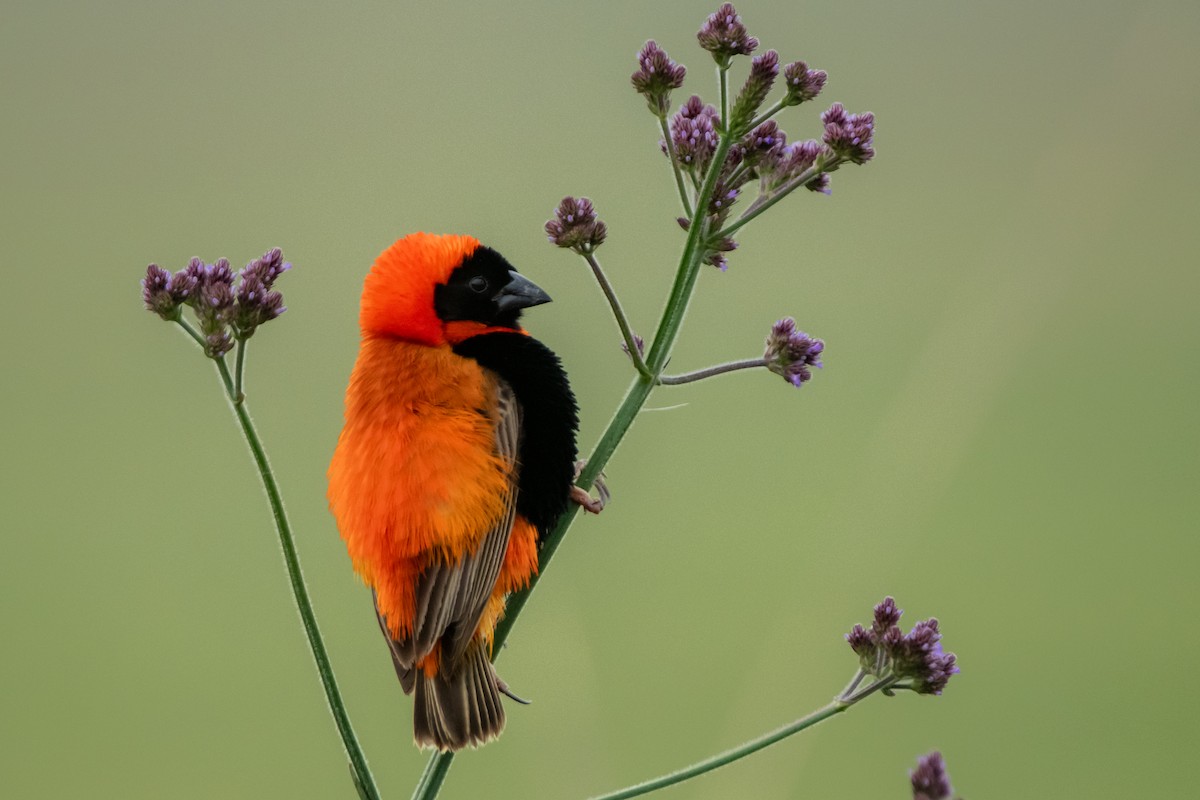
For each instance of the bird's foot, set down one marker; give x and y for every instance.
(592, 504)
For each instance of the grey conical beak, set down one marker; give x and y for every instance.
(519, 292)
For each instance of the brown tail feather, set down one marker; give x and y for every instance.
(453, 711)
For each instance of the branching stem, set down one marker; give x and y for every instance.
(708, 372)
(763, 202)
(729, 756)
(619, 313)
(683, 194)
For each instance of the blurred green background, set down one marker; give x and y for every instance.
(1004, 435)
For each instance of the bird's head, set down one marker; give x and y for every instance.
(435, 290)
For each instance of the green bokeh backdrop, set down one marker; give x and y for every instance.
(1004, 436)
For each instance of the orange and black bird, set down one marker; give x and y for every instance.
(457, 456)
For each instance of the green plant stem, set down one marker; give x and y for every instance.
(683, 195)
(766, 115)
(729, 756)
(358, 761)
(763, 202)
(238, 370)
(723, 80)
(619, 313)
(192, 332)
(708, 372)
(689, 266)
(635, 397)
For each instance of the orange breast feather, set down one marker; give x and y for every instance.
(415, 476)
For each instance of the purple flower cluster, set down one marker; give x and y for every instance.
(724, 35)
(694, 135)
(794, 160)
(916, 657)
(803, 84)
(222, 311)
(792, 353)
(576, 226)
(850, 136)
(656, 76)
(930, 780)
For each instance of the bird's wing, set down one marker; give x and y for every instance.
(451, 596)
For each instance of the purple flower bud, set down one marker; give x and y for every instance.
(183, 287)
(863, 645)
(267, 268)
(156, 293)
(217, 343)
(763, 144)
(763, 71)
(694, 107)
(220, 272)
(930, 780)
(850, 136)
(694, 135)
(886, 615)
(576, 226)
(790, 352)
(717, 249)
(214, 306)
(803, 84)
(657, 75)
(724, 35)
(256, 302)
(639, 342)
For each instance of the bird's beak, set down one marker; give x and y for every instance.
(519, 292)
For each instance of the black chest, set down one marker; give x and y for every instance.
(549, 420)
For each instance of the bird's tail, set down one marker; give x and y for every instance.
(453, 710)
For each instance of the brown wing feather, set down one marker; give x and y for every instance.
(451, 597)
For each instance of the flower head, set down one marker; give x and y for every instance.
(763, 144)
(724, 35)
(791, 353)
(916, 659)
(930, 780)
(694, 135)
(850, 136)
(576, 226)
(156, 294)
(763, 71)
(787, 162)
(656, 76)
(227, 306)
(802, 83)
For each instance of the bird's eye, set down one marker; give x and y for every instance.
(478, 284)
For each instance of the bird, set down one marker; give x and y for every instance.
(457, 457)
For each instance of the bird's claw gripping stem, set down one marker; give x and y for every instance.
(589, 503)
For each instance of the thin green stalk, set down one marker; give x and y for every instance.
(723, 80)
(689, 266)
(239, 368)
(619, 313)
(766, 115)
(708, 372)
(358, 761)
(683, 195)
(192, 332)
(435, 772)
(729, 756)
(760, 205)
